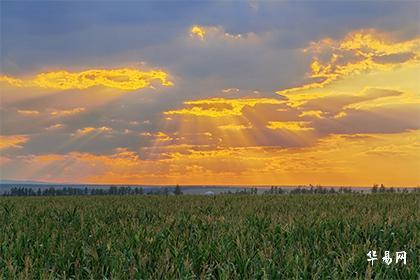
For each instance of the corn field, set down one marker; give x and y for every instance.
(220, 237)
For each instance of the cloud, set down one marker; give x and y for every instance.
(161, 136)
(66, 113)
(340, 115)
(254, 4)
(234, 127)
(12, 81)
(360, 51)
(327, 104)
(218, 33)
(124, 79)
(55, 126)
(198, 31)
(28, 112)
(334, 160)
(12, 141)
(88, 130)
(230, 90)
(375, 104)
(383, 119)
(291, 126)
(220, 107)
(379, 97)
(312, 113)
(371, 110)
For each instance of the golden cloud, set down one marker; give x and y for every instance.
(12, 141)
(358, 52)
(123, 79)
(161, 136)
(291, 126)
(11, 81)
(340, 115)
(370, 42)
(87, 130)
(312, 113)
(220, 107)
(198, 31)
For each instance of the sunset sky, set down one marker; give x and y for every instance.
(226, 92)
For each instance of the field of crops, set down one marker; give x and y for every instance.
(221, 237)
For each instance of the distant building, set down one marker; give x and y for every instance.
(209, 193)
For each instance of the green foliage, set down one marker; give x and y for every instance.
(221, 237)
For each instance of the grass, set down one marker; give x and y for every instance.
(222, 237)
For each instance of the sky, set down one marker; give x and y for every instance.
(210, 92)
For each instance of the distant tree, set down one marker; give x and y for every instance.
(177, 190)
(375, 188)
(382, 188)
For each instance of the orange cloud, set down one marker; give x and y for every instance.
(12, 141)
(123, 79)
(120, 160)
(346, 159)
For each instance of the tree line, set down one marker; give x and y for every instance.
(113, 190)
(275, 190)
(51, 191)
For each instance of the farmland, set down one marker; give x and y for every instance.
(220, 237)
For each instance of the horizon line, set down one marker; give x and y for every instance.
(28, 182)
